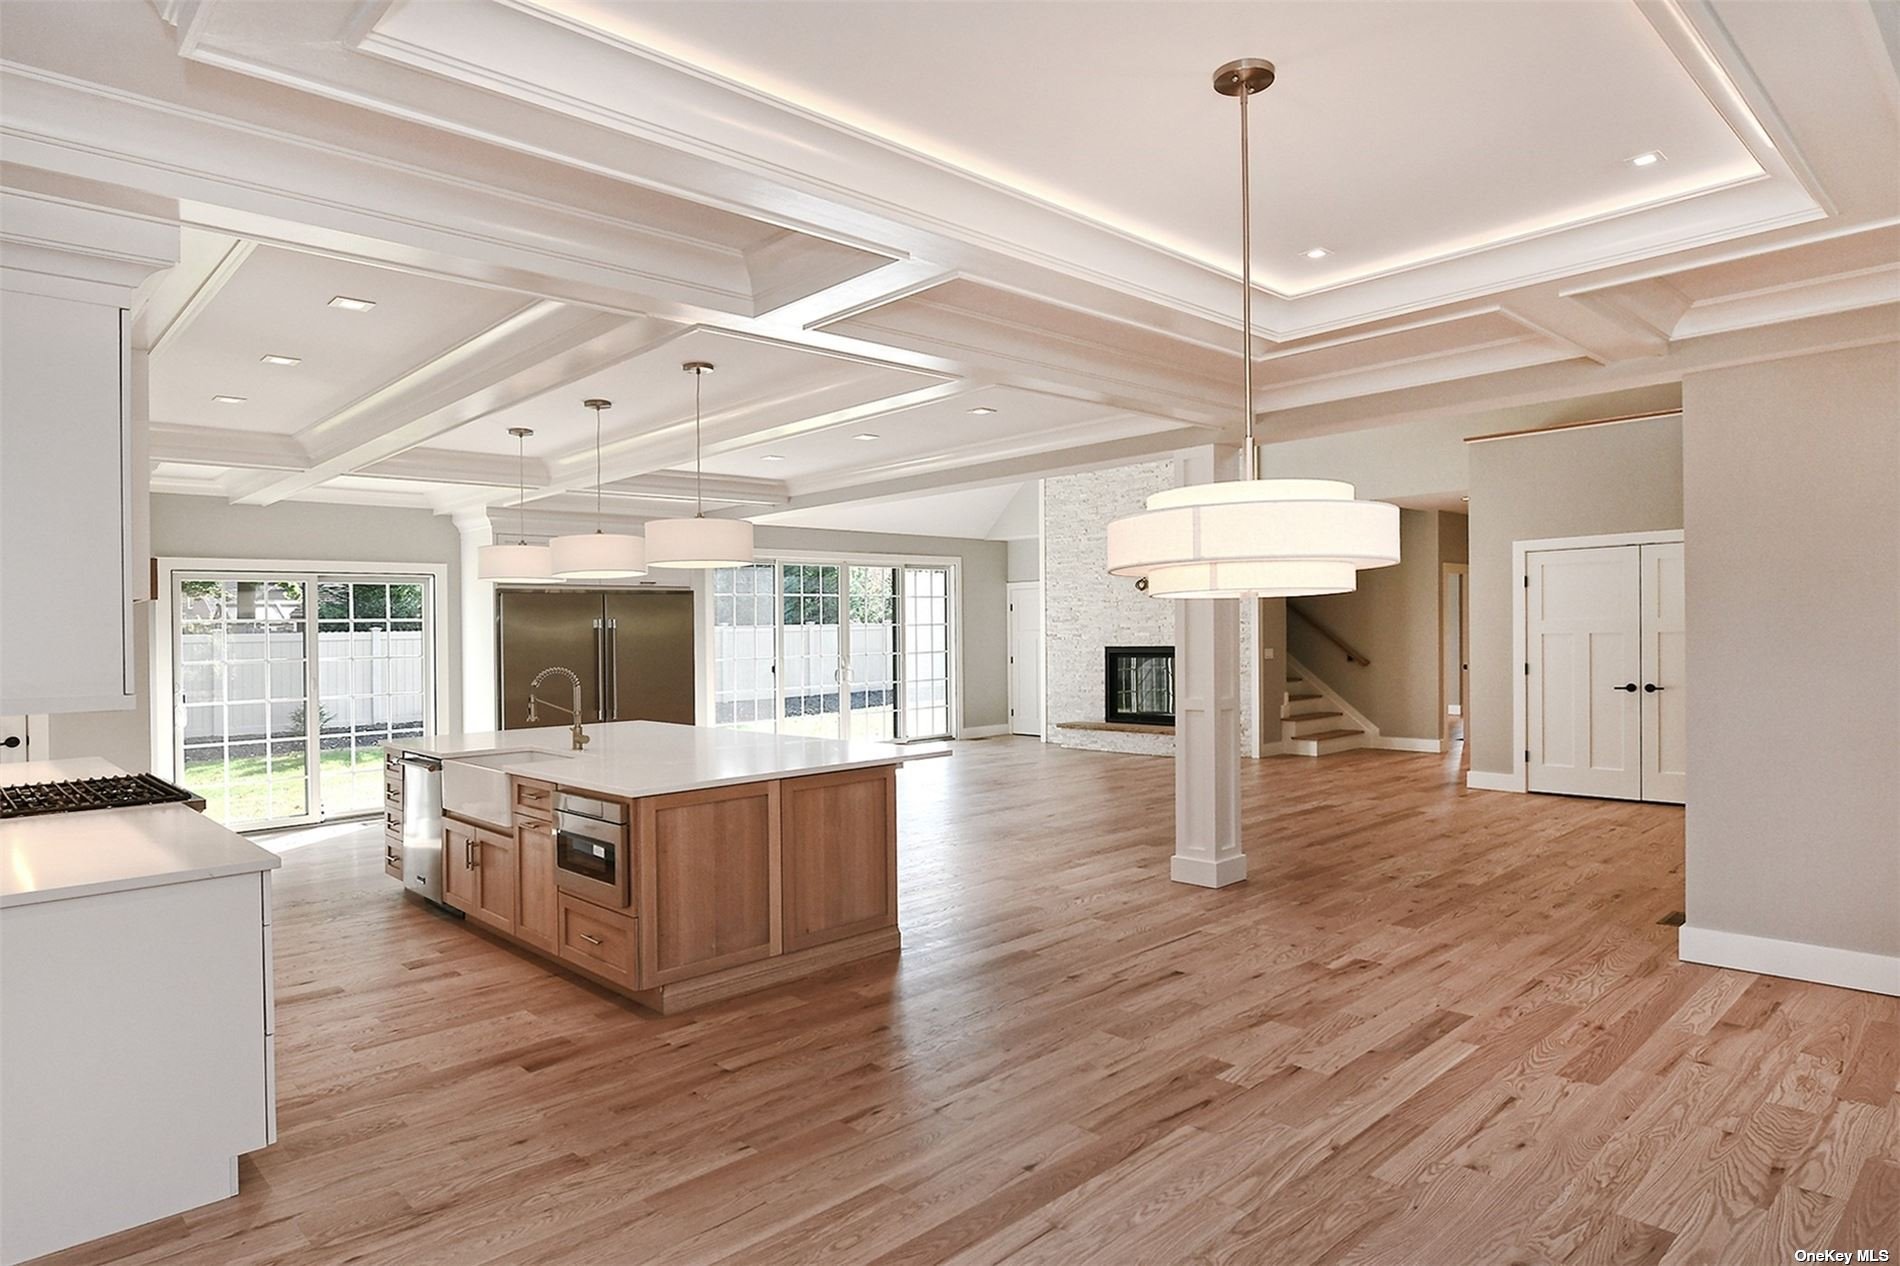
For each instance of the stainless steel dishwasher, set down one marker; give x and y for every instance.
(422, 825)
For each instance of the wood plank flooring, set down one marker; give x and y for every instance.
(1435, 1027)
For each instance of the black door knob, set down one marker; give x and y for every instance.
(11, 740)
(1650, 688)
(1631, 687)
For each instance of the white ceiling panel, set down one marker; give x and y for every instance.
(276, 303)
(1397, 133)
(970, 513)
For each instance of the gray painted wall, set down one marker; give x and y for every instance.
(984, 566)
(1792, 564)
(1025, 560)
(1583, 482)
(193, 527)
(1391, 619)
(207, 527)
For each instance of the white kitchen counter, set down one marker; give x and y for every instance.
(651, 758)
(60, 855)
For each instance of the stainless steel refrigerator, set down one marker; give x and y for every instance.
(631, 648)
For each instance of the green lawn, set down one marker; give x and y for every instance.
(255, 792)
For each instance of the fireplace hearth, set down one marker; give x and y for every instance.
(1138, 685)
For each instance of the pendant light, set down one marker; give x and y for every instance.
(1265, 537)
(520, 561)
(598, 555)
(699, 541)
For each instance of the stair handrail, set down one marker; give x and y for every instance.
(1352, 656)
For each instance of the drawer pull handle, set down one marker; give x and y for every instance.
(591, 940)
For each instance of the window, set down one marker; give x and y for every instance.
(834, 649)
(286, 686)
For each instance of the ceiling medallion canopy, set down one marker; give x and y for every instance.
(1252, 536)
(699, 542)
(598, 555)
(520, 561)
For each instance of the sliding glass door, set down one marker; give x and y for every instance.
(279, 716)
(847, 649)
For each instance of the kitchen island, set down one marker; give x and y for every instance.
(135, 1014)
(674, 864)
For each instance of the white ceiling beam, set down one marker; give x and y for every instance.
(1578, 377)
(988, 474)
(531, 351)
(218, 446)
(1603, 333)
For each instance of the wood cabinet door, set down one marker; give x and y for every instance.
(537, 904)
(460, 880)
(495, 886)
(839, 841)
(708, 880)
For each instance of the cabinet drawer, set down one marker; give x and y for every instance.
(534, 799)
(392, 789)
(600, 941)
(392, 853)
(392, 765)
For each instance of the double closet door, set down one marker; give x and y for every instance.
(1606, 681)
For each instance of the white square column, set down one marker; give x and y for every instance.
(1207, 706)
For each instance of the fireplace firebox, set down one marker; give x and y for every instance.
(1138, 685)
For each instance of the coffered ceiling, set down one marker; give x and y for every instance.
(889, 220)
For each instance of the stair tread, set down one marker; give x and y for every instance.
(1323, 735)
(1312, 716)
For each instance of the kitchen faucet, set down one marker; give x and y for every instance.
(580, 735)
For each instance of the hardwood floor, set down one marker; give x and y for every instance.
(1435, 1027)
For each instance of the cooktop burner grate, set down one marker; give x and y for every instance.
(119, 791)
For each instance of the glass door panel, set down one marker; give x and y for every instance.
(745, 647)
(243, 728)
(926, 662)
(812, 694)
(372, 679)
(872, 708)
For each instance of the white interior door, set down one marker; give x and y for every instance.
(1665, 697)
(1025, 658)
(1584, 659)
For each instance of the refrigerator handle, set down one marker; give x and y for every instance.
(613, 664)
(600, 669)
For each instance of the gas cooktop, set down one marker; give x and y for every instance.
(119, 791)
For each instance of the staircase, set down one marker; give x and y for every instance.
(1311, 724)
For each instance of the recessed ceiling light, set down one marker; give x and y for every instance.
(281, 360)
(227, 399)
(982, 409)
(1648, 158)
(772, 457)
(352, 305)
(866, 436)
(1316, 252)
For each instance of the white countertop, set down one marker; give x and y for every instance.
(651, 758)
(60, 855)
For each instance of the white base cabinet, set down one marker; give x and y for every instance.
(136, 1038)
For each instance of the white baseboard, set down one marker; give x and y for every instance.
(1479, 780)
(1798, 960)
(1386, 743)
(982, 731)
(1207, 874)
(1273, 749)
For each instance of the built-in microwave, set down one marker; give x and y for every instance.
(592, 856)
